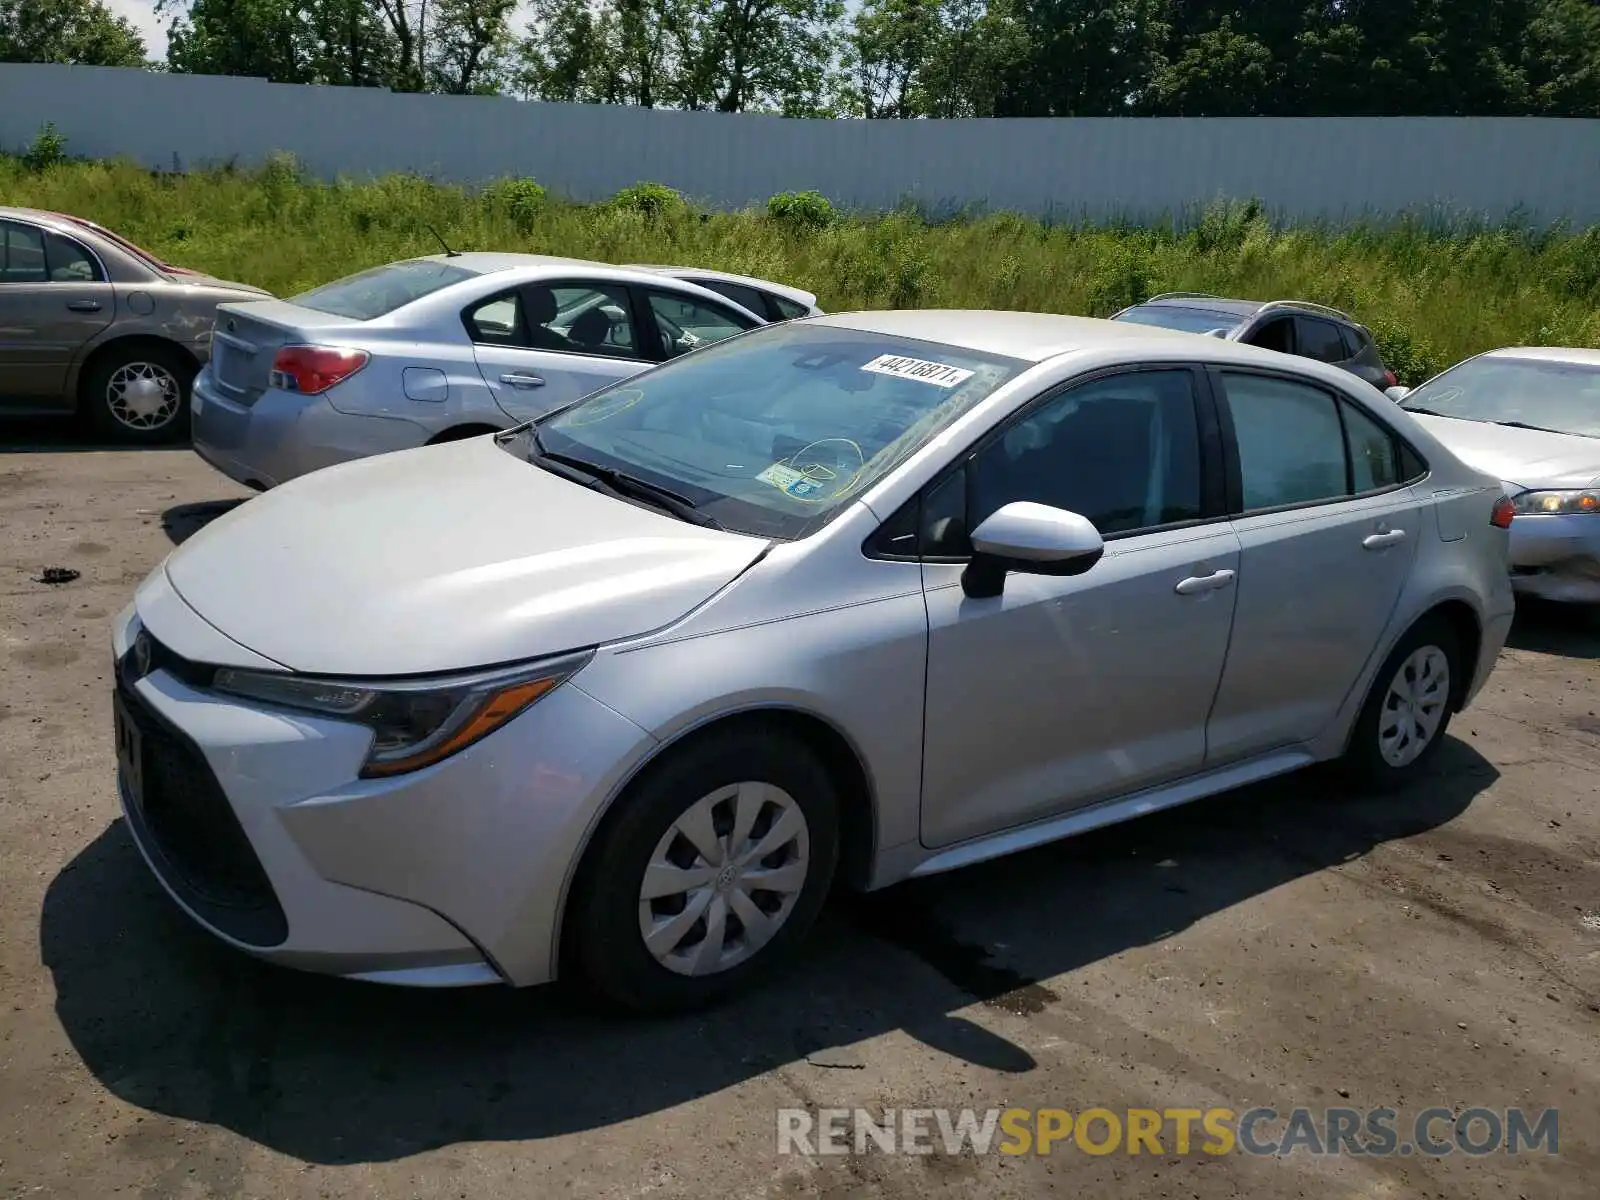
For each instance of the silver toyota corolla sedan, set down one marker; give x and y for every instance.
(434, 349)
(625, 691)
(1531, 416)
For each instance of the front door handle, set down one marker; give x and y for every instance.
(1382, 541)
(518, 380)
(84, 306)
(1204, 583)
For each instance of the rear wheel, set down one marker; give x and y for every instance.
(710, 871)
(139, 394)
(1408, 709)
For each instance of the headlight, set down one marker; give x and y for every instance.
(1535, 503)
(414, 723)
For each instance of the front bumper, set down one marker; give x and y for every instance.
(1557, 557)
(284, 435)
(450, 876)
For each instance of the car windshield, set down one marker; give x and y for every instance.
(380, 291)
(773, 432)
(1173, 316)
(1563, 397)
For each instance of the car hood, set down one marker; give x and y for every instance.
(1528, 458)
(444, 558)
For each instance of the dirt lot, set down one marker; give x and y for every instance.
(1285, 945)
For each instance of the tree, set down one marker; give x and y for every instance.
(265, 39)
(887, 51)
(1220, 73)
(1561, 59)
(1084, 57)
(67, 31)
(727, 55)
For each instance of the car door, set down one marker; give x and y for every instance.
(54, 298)
(1063, 691)
(543, 345)
(1328, 531)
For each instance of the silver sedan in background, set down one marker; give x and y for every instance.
(434, 349)
(625, 690)
(1531, 415)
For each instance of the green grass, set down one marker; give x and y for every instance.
(1431, 295)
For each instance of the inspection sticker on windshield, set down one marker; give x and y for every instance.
(940, 374)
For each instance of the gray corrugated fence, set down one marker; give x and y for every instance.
(1335, 168)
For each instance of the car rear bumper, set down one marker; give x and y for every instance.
(256, 823)
(284, 435)
(1557, 557)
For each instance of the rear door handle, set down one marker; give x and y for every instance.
(1382, 541)
(518, 380)
(84, 306)
(1204, 583)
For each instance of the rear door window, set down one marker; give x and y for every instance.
(1319, 340)
(69, 261)
(1290, 441)
(743, 296)
(1275, 335)
(684, 323)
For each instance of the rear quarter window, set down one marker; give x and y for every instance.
(377, 293)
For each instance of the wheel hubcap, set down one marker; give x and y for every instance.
(1414, 706)
(142, 395)
(724, 878)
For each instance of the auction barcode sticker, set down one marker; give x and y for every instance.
(941, 374)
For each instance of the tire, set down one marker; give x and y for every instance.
(138, 395)
(1380, 760)
(759, 775)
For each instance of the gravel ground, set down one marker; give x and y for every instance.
(1284, 945)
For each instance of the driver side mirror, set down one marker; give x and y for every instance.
(1033, 539)
(1397, 394)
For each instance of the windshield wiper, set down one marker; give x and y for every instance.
(622, 485)
(1428, 412)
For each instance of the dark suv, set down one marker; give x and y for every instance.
(1288, 326)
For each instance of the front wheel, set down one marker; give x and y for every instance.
(711, 870)
(1408, 709)
(138, 395)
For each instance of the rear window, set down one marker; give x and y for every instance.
(380, 291)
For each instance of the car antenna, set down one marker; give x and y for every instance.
(448, 253)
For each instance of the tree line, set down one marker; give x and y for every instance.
(883, 58)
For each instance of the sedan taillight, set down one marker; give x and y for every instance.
(314, 369)
(1503, 514)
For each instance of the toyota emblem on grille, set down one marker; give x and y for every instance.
(139, 655)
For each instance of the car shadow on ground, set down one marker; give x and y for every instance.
(63, 435)
(182, 521)
(1568, 630)
(333, 1072)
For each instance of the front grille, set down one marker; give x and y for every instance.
(186, 823)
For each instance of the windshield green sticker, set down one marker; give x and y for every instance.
(937, 373)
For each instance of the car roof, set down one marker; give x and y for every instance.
(1033, 337)
(798, 295)
(1237, 308)
(1560, 354)
(488, 262)
(44, 216)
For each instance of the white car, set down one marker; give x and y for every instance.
(1531, 416)
(624, 691)
(774, 301)
(435, 349)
